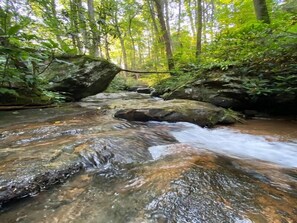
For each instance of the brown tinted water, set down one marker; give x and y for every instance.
(150, 172)
(277, 129)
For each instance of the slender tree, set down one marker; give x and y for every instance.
(152, 13)
(94, 49)
(165, 34)
(82, 24)
(130, 20)
(199, 28)
(261, 11)
(74, 28)
(55, 20)
(179, 18)
(188, 6)
(121, 38)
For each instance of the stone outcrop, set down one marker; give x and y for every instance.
(80, 76)
(224, 93)
(264, 88)
(54, 143)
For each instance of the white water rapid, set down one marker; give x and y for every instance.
(231, 143)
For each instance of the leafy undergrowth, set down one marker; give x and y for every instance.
(24, 96)
(262, 56)
(123, 83)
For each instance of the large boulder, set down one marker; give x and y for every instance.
(80, 76)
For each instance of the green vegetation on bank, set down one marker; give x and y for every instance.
(262, 55)
(200, 39)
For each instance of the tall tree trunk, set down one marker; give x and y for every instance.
(56, 21)
(205, 18)
(75, 25)
(179, 17)
(199, 28)
(133, 43)
(106, 46)
(154, 54)
(212, 19)
(124, 53)
(152, 12)
(122, 42)
(190, 15)
(82, 24)
(94, 51)
(165, 33)
(178, 44)
(261, 11)
(166, 7)
(140, 57)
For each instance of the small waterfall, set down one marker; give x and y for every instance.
(228, 142)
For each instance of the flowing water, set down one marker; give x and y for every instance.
(149, 172)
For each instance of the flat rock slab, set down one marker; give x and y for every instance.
(200, 113)
(140, 107)
(101, 97)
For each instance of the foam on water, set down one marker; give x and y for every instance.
(228, 142)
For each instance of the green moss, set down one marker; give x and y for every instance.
(28, 97)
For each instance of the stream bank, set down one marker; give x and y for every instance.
(256, 87)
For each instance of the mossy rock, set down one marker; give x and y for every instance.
(24, 97)
(80, 76)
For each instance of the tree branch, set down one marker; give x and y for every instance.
(47, 66)
(146, 72)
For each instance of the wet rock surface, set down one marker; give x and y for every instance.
(215, 190)
(79, 164)
(37, 155)
(174, 111)
(144, 90)
(196, 187)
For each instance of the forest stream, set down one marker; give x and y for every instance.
(119, 171)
